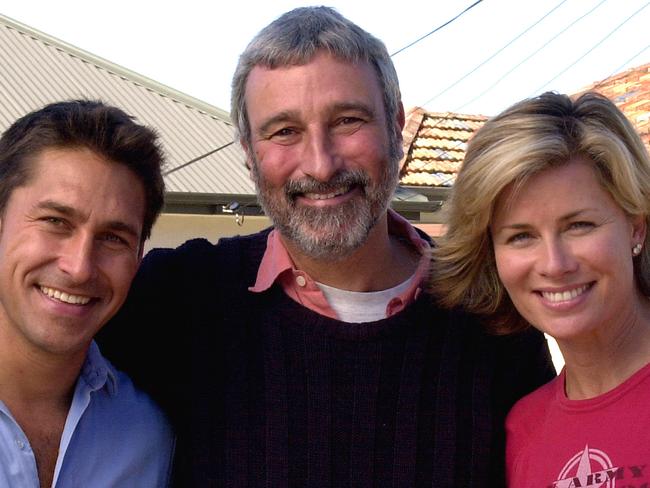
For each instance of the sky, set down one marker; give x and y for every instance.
(495, 54)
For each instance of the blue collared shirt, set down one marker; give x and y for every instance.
(114, 436)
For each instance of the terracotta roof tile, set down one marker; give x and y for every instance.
(435, 142)
(630, 91)
(434, 146)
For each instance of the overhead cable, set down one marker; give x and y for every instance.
(622, 65)
(595, 87)
(493, 55)
(505, 75)
(437, 28)
(588, 51)
(440, 119)
(202, 156)
(396, 52)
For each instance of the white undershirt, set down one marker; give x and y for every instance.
(357, 306)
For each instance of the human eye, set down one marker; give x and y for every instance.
(53, 220)
(350, 120)
(54, 223)
(114, 240)
(519, 238)
(285, 131)
(348, 123)
(284, 135)
(580, 226)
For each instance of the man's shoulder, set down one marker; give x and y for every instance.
(142, 410)
(468, 327)
(195, 249)
(116, 399)
(114, 419)
(199, 256)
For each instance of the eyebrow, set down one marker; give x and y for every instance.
(569, 216)
(358, 106)
(285, 116)
(68, 211)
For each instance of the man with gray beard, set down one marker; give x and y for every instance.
(310, 354)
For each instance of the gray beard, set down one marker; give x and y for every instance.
(323, 233)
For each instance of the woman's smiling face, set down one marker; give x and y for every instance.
(563, 249)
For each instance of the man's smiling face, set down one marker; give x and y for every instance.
(320, 152)
(70, 244)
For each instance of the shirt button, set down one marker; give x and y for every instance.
(301, 281)
(20, 444)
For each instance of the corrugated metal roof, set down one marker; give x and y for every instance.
(38, 69)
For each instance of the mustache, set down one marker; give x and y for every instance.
(346, 178)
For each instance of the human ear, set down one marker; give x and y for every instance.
(639, 229)
(249, 159)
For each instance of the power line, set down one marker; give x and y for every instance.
(192, 161)
(622, 65)
(444, 116)
(595, 87)
(396, 52)
(588, 51)
(202, 156)
(493, 55)
(489, 88)
(437, 28)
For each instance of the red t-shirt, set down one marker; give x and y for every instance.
(554, 442)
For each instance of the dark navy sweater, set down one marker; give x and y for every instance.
(264, 392)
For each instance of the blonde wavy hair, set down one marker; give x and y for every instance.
(531, 136)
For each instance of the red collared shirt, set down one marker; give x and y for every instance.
(277, 266)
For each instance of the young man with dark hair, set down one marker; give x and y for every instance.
(80, 188)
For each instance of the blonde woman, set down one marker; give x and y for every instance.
(547, 226)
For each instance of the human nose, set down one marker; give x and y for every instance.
(556, 259)
(320, 159)
(77, 258)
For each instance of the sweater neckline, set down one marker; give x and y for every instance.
(289, 309)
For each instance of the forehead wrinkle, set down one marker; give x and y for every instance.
(61, 208)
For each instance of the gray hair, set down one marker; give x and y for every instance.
(295, 38)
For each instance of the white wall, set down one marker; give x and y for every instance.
(558, 360)
(171, 230)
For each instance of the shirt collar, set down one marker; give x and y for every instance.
(276, 259)
(97, 372)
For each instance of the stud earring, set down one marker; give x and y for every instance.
(636, 250)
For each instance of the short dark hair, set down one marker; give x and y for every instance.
(105, 130)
